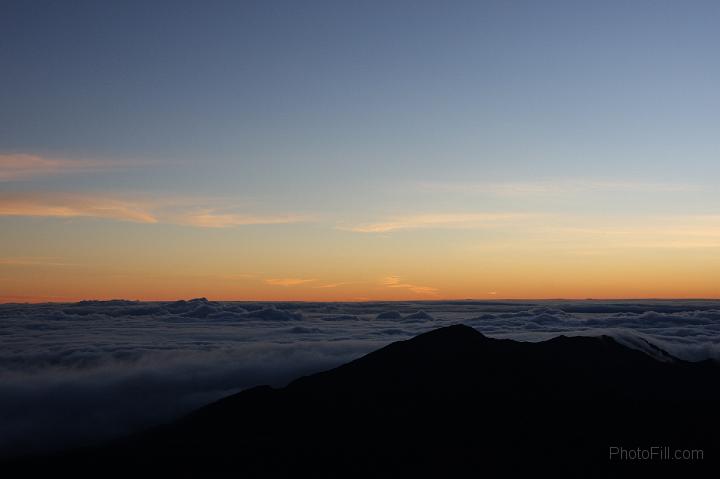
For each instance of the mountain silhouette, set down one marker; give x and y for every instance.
(448, 403)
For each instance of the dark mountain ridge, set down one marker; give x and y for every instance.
(442, 403)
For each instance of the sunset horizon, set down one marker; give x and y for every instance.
(358, 239)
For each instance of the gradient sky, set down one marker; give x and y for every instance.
(359, 150)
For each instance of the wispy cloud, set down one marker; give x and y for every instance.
(137, 209)
(24, 166)
(330, 285)
(556, 187)
(676, 233)
(394, 282)
(209, 218)
(442, 220)
(288, 281)
(33, 261)
(235, 276)
(72, 205)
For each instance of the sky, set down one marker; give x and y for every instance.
(359, 150)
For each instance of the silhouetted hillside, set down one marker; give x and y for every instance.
(443, 403)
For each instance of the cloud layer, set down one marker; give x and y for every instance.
(74, 373)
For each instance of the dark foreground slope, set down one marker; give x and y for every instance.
(446, 403)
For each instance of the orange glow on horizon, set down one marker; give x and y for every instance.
(72, 260)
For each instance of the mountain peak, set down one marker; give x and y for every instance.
(456, 332)
(481, 396)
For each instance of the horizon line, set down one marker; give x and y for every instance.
(2, 302)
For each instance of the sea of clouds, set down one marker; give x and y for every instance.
(73, 374)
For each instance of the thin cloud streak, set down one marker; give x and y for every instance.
(139, 210)
(286, 282)
(70, 205)
(211, 219)
(671, 237)
(15, 167)
(441, 220)
(331, 285)
(556, 187)
(33, 261)
(394, 282)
